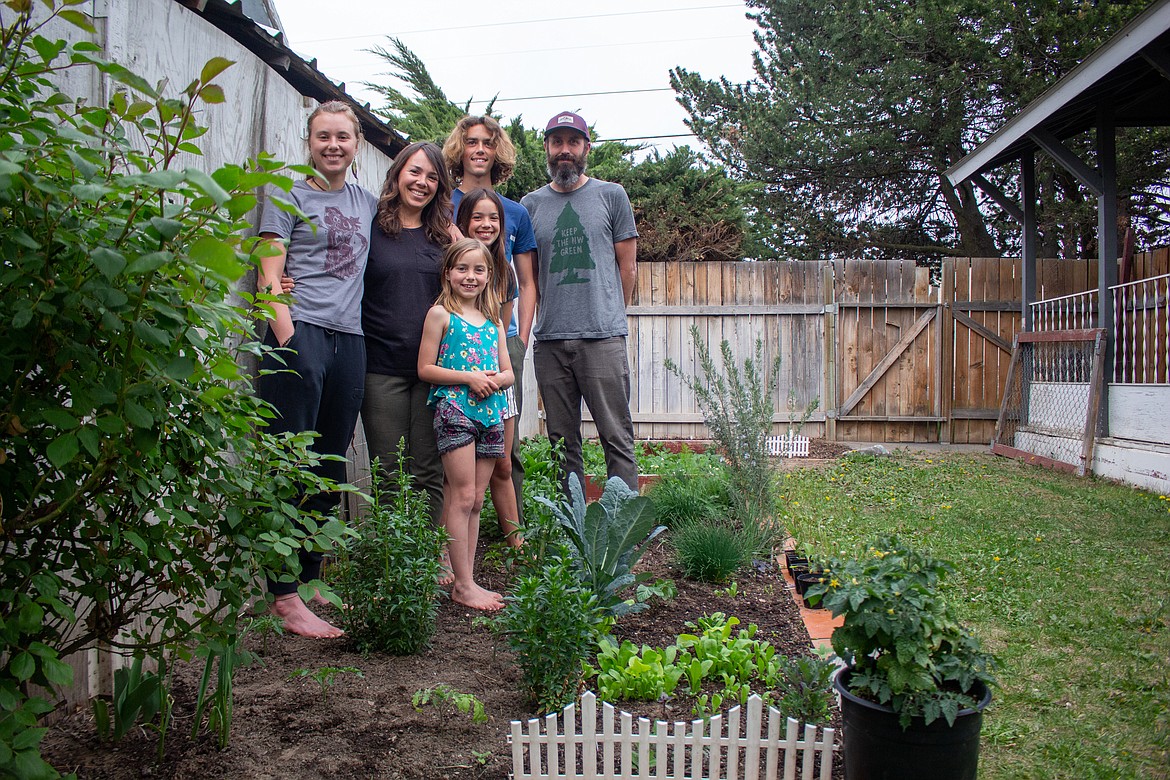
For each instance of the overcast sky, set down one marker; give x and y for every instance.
(529, 50)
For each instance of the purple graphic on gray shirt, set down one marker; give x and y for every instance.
(347, 242)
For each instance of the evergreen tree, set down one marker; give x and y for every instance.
(857, 108)
(685, 209)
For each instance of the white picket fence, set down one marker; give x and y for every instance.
(678, 751)
(789, 445)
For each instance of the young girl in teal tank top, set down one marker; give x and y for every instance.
(465, 356)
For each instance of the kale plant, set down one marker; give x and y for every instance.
(607, 538)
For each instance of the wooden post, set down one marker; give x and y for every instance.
(829, 401)
(1106, 249)
(945, 371)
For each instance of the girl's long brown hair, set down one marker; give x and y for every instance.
(436, 215)
(488, 302)
(501, 271)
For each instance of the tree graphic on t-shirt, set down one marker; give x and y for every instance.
(570, 248)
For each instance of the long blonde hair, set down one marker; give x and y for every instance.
(488, 300)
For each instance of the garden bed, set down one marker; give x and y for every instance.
(365, 727)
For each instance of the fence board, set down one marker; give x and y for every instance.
(831, 324)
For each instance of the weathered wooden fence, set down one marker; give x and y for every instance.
(678, 751)
(889, 353)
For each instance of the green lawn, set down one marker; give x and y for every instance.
(1067, 580)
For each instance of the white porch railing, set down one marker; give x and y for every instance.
(1075, 311)
(1142, 339)
(1140, 330)
(678, 751)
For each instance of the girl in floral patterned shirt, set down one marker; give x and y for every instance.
(464, 355)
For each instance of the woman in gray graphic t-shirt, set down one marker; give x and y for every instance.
(321, 331)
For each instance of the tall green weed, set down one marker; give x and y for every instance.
(738, 407)
(388, 576)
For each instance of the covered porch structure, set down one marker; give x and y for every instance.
(1123, 322)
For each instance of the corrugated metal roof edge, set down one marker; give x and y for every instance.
(303, 76)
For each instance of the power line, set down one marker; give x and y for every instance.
(528, 21)
(571, 94)
(647, 137)
(350, 67)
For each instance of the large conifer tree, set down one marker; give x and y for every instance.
(857, 108)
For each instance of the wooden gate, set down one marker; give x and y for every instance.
(887, 379)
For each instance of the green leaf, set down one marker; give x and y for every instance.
(48, 50)
(137, 415)
(22, 666)
(90, 193)
(18, 236)
(147, 263)
(167, 228)
(136, 540)
(217, 256)
(241, 205)
(213, 67)
(165, 179)
(108, 261)
(89, 438)
(207, 185)
(62, 450)
(59, 418)
(57, 671)
(180, 368)
(212, 93)
(78, 19)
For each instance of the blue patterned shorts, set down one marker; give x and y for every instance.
(453, 430)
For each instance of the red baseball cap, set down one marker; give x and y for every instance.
(569, 121)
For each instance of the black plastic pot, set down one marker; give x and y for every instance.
(804, 582)
(876, 747)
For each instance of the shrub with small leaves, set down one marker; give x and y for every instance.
(388, 576)
(138, 486)
(738, 405)
(552, 622)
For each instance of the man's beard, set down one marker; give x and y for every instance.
(565, 173)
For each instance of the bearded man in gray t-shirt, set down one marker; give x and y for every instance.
(583, 279)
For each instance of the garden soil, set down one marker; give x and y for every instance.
(288, 728)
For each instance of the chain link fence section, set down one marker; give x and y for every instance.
(1051, 402)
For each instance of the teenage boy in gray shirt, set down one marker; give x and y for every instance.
(583, 279)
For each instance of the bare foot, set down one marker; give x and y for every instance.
(300, 620)
(446, 573)
(477, 598)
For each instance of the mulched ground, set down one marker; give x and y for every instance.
(365, 727)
